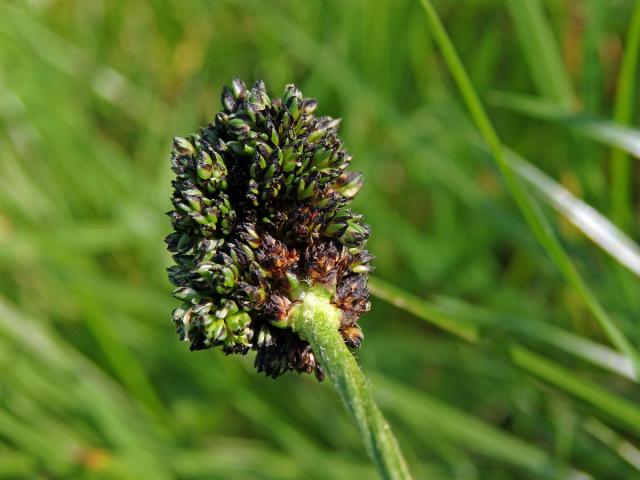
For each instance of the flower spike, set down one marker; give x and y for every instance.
(261, 216)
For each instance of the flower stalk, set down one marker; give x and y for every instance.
(316, 320)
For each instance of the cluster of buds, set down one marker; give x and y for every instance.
(261, 214)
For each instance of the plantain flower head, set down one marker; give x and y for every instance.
(261, 214)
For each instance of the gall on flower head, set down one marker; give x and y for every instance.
(261, 213)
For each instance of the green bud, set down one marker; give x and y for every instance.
(202, 308)
(270, 171)
(194, 197)
(306, 191)
(322, 129)
(291, 95)
(205, 166)
(228, 308)
(226, 278)
(309, 105)
(321, 157)
(335, 229)
(289, 158)
(275, 139)
(237, 322)
(237, 87)
(294, 109)
(265, 339)
(186, 294)
(182, 146)
(354, 235)
(217, 330)
(239, 124)
(349, 184)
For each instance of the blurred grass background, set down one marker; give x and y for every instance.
(510, 377)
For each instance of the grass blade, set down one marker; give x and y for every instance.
(532, 329)
(582, 215)
(625, 413)
(541, 51)
(121, 360)
(428, 413)
(604, 131)
(620, 166)
(468, 321)
(537, 222)
(421, 309)
(609, 437)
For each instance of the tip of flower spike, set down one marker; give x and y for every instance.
(261, 216)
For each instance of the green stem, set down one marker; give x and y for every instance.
(317, 321)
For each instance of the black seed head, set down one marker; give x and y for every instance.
(261, 212)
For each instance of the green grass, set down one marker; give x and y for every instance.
(621, 203)
(505, 305)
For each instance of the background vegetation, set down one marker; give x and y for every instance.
(490, 366)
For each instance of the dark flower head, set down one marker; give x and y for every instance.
(261, 214)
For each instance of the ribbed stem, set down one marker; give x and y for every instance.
(316, 320)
